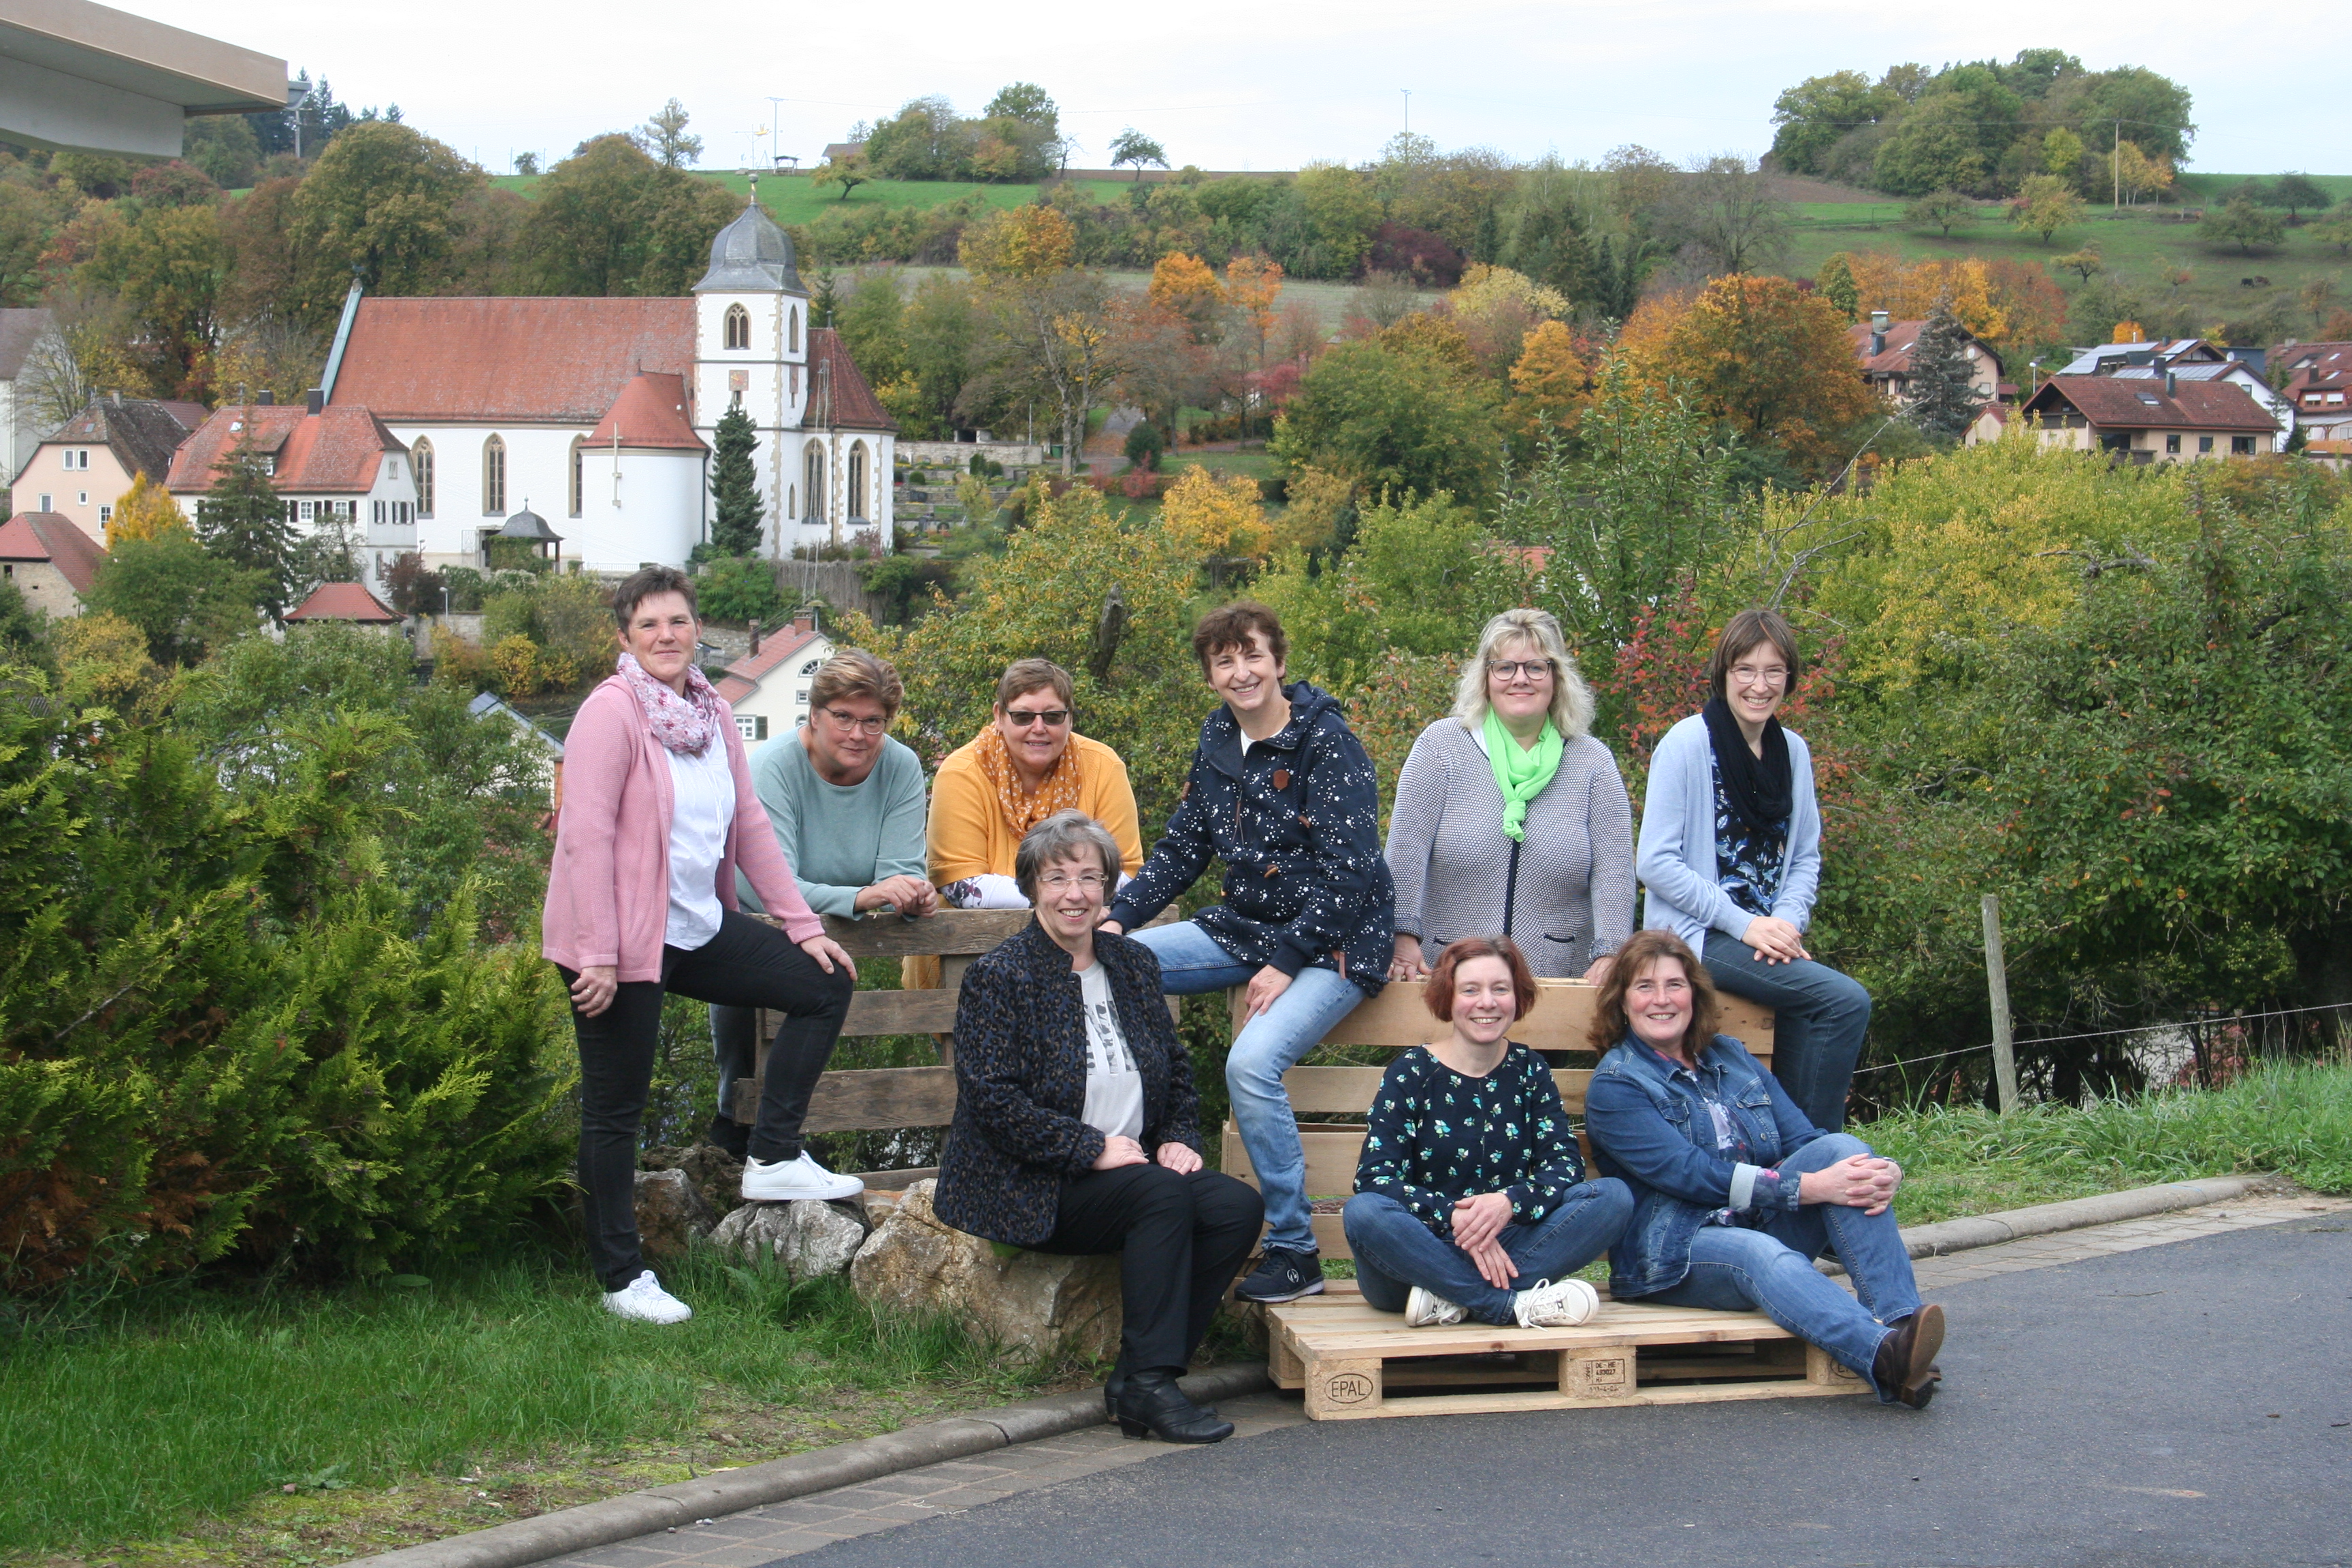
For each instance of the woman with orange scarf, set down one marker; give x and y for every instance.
(1028, 763)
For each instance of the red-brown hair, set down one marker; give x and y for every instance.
(1643, 949)
(1230, 625)
(1438, 995)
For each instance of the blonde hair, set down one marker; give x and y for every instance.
(1571, 699)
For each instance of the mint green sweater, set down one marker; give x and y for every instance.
(840, 838)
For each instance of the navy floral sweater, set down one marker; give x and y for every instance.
(1297, 823)
(1437, 1136)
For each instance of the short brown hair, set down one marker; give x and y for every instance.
(854, 672)
(644, 584)
(1438, 995)
(1026, 675)
(1749, 630)
(1643, 949)
(1229, 626)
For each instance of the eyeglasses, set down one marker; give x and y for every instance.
(872, 724)
(1750, 675)
(1051, 717)
(1512, 669)
(1057, 882)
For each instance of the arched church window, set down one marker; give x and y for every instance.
(421, 455)
(739, 327)
(857, 480)
(494, 478)
(579, 472)
(792, 330)
(813, 476)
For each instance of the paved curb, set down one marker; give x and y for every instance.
(591, 1525)
(623, 1517)
(1951, 1236)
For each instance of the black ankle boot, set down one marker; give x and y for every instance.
(1151, 1403)
(1115, 1388)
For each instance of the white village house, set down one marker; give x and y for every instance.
(598, 413)
(328, 465)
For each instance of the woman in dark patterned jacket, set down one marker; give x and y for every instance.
(1470, 1196)
(1077, 1131)
(1282, 792)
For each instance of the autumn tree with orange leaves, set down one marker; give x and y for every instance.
(1770, 360)
(1053, 335)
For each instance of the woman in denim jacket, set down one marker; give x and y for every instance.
(1735, 1193)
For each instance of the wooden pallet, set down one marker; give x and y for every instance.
(1349, 1358)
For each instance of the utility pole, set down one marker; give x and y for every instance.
(2004, 1053)
(775, 129)
(2118, 158)
(1408, 109)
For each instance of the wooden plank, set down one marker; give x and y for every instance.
(900, 1012)
(1503, 1403)
(1557, 1022)
(950, 931)
(880, 1098)
(897, 1181)
(1347, 1091)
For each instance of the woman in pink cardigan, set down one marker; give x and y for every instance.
(641, 900)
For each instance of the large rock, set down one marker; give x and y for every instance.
(808, 1239)
(670, 1214)
(1029, 1301)
(716, 1174)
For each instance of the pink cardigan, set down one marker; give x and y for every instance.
(608, 891)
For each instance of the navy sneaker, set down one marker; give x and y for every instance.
(1283, 1275)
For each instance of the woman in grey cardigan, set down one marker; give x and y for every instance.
(1731, 854)
(1510, 818)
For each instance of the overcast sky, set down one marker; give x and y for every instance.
(1267, 84)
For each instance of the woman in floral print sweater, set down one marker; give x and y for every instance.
(1470, 1198)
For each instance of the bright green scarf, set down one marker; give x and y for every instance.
(1521, 775)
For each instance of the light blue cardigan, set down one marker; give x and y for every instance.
(1675, 856)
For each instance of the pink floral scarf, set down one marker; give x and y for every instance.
(684, 724)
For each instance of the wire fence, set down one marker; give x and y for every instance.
(2202, 1050)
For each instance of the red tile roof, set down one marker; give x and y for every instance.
(743, 676)
(344, 602)
(842, 399)
(650, 412)
(338, 451)
(1901, 337)
(550, 361)
(2119, 404)
(53, 537)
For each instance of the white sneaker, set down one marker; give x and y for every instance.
(1427, 1309)
(791, 1181)
(644, 1300)
(1547, 1305)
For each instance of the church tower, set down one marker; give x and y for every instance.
(751, 352)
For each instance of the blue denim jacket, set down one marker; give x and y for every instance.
(1651, 1130)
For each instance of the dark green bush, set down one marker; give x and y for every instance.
(740, 590)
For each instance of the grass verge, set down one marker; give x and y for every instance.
(202, 1427)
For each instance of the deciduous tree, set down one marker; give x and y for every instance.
(2044, 204)
(1940, 210)
(381, 203)
(2246, 226)
(665, 138)
(1216, 515)
(1132, 148)
(1392, 419)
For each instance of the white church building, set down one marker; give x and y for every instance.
(598, 413)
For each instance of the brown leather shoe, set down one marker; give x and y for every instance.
(1906, 1363)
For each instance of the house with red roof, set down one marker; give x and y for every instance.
(347, 601)
(84, 469)
(51, 560)
(769, 688)
(2174, 420)
(599, 414)
(2316, 380)
(1884, 347)
(335, 467)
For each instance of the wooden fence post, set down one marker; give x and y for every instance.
(2004, 1056)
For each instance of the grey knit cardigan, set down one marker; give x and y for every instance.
(1574, 887)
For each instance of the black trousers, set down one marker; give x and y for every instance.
(748, 964)
(1180, 1240)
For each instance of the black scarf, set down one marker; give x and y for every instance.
(1758, 788)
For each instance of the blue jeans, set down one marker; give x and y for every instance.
(1819, 1017)
(1733, 1269)
(1394, 1251)
(1269, 1045)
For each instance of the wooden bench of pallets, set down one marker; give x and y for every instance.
(1349, 1358)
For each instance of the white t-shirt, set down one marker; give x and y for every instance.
(1114, 1086)
(702, 808)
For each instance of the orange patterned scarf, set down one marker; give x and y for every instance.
(1022, 811)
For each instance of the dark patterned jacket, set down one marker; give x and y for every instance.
(1021, 1081)
(1297, 823)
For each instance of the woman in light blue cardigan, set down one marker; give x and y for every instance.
(1731, 852)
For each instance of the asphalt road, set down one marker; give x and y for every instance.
(2172, 1408)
